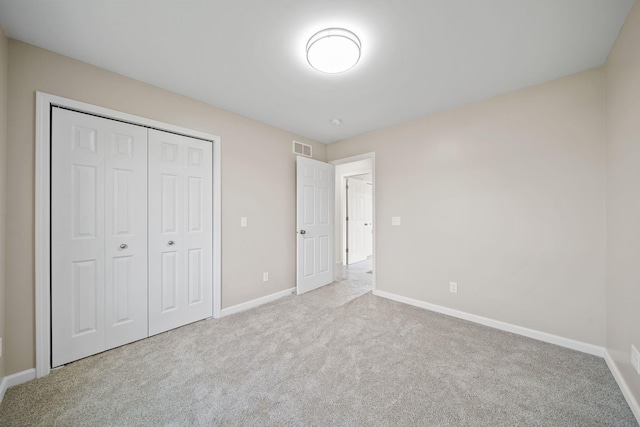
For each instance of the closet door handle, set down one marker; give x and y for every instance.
(170, 243)
(123, 246)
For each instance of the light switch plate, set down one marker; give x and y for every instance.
(395, 220)
(243, 221)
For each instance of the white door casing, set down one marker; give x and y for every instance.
(98, 288)
(315, 223)
(357, 225)
(180, 230)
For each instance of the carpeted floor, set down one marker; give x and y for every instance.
(304, 360)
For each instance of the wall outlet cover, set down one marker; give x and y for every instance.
(265, 277)
(453, 287)
(395, 220)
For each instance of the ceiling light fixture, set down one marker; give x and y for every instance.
(336, 121)
(333, 50)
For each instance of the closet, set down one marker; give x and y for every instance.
(131, 233)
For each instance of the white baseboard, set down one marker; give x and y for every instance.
(255, 302)
(16, 379)
(531, 333)
(624, 387)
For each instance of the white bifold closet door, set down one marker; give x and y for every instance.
(131, 239)
(180, 230)
(99, 234)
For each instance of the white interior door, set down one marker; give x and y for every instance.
(368, 219)
(98, 202)
(315, 213)
(180, 231)
(126, 234)
(357, 226)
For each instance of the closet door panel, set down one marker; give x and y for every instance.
(77, 237)
(199, 226)
(98, 203)
(180, 227)
(125, 233)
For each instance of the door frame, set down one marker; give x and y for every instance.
(365, 156)
(44, 103)
(341, 202)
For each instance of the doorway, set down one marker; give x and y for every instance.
(355, 241)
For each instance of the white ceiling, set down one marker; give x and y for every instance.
(248, 56)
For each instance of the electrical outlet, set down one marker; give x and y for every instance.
(635, 359)
(243, 221)
(453, 287)
(395, 220)
(265, 276)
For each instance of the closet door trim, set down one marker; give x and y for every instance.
(44, 103)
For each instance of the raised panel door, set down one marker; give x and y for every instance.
(125, 233)
(98, 203)
(315, 195)
(180, 231)
(77, 237)
(357, 224)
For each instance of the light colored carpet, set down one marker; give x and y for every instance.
(301, 361)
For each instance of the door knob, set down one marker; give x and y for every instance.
(303, 232)
(123, 246)
(170, 243)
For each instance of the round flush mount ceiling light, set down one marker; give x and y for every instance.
(333, 50)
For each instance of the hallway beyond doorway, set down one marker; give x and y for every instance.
(351, 282)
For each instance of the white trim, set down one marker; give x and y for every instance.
(371, 155)
(365, 156)
(44, 102)
(256, 302)
(531, 333)
(624, 387)
(42, 236)
(16, 379)
(217, 228)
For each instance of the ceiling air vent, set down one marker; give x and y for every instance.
(302, 149)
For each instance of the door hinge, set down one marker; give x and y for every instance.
(347, 218)
(347, 250)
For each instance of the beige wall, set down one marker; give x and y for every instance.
(504, 197)
(258, 181)
(623, 199)
(4, 59)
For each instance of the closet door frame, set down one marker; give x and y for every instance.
(44, 103)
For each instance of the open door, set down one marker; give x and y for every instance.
(315, 222)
